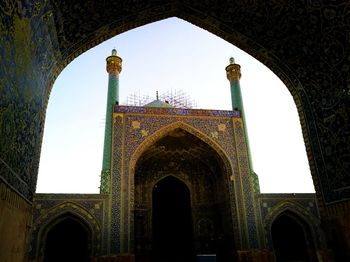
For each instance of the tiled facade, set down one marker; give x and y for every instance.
(110, 217)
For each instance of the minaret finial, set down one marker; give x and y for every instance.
(232, 60)
(157, 95)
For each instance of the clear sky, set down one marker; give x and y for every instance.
(168, 55)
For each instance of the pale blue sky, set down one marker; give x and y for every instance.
(168, 55)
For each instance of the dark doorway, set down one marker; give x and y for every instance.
(172, 222)
(66, 241)
(289, 240)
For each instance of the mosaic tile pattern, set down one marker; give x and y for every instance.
(247, 183)
(142, 130)
(175, 111)
(26, 30)
(105, 181)
(116, 185)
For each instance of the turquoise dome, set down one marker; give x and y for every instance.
(158, 103)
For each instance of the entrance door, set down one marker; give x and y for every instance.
(66, 241)
(172, 221)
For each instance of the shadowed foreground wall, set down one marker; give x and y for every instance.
(15, 218)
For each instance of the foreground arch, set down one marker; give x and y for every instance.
(307, 50)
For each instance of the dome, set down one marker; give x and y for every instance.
(158, 103)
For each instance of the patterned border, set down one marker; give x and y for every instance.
(174, 111)
(116, 187)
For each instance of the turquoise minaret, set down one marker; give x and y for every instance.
(233, 73)
(114, 67)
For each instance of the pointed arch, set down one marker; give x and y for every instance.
(55, 215)
(220, 27)
(299, 213)
(172, 176)
(164, 131)
(224, 162)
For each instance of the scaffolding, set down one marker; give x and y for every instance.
(136, 99)
(176, 98)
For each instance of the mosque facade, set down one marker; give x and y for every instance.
(177, 184)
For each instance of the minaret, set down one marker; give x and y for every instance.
(114, 67)
(233, 73)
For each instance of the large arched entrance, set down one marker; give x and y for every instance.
(291, 239)
(67, 240)
(182, 200)
(172, 221)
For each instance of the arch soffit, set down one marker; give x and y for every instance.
(164, 131)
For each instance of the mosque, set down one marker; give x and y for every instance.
(177, 184)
